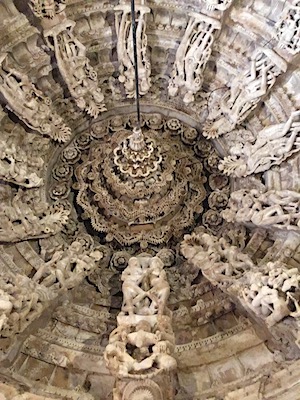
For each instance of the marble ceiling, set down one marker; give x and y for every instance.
(211, 187)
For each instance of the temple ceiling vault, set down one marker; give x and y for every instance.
(211, 187)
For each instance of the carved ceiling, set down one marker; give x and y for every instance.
(210, 186)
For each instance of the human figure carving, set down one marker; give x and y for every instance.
(143, 341)
(279, 209)
(30, 104)
(246, 92)
(288, 28)
(79, 75)
(273, 145)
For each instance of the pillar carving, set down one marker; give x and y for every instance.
(139, 353)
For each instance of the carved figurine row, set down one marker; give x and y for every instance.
(279, 209)
(21, 302)
(272, 146)
(140, 347)
(24, 215)
(246, 91)
(271, 292)
(67, 266)
(30, 104)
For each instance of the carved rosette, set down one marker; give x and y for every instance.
(147, 196)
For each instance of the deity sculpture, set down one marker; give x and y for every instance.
(273, 145)
(192, 56)
(23, 218)
(125, 49)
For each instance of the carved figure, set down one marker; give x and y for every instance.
(22, 219)
(278, 209)
(246, 91)
(192, 56)
(21, 301)
(15, 165)
(221, 5)
(219, 261)
(125, 49)
(273, 145)
(271, 291)
(47, 8)
(67, 267)
(141, 345)
(74, 66)
(288, 28)
(30, 104)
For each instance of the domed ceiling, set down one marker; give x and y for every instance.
(210, 185)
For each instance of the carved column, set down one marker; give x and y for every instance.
(192, 56)
(139, 353)
(125, 48)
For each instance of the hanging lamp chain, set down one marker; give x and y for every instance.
(137, 95)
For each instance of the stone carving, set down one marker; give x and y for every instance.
(273, 145)
(140, 188)
(17, 166)
(288, 28)
(192, 56)
(246, 91)
(271, 292)
(21, 301)
(47, 8)
(220, 262)
(75, 68)
(141, 345)
(68, 267)
(125, 48)
(221, 5)
(278, 209)
(26, 216)
(30, 104)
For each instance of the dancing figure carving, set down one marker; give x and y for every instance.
(192, 56)
(125, 49)
(273, 145)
